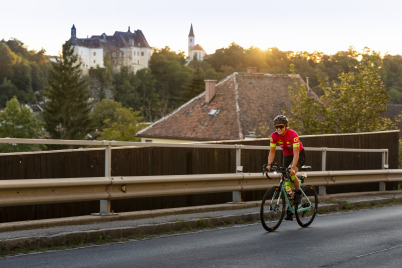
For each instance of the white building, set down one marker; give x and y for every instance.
(194, 51)
(129, 49)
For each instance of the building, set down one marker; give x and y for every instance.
(241, 106)
(125, 49)
(195, 52)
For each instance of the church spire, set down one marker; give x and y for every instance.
(73, 32)
(191, 34)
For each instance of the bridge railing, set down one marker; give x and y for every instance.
(107, 188)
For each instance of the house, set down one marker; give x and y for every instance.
(241, 106)
(125, 49)
(195, 51)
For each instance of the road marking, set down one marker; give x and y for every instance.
(378, 251)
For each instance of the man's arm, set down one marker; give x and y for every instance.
(293, 167)
(271, 156)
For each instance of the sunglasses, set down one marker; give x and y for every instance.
(279, 126)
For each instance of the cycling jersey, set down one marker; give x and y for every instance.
(286, 142)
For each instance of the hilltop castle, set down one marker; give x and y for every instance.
(129, 49)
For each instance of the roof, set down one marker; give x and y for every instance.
(241, 106)
(117, 40)
(198, 48)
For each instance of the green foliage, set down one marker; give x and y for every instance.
(104, 110)
(123, 127)
(27, 71)
(66, 111)
(306, 112)
(171, 78)
(7, 91)
(19, 122)
(201, 71)
(358, 102)
(7, 60)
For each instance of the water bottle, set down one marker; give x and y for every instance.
(289, 191)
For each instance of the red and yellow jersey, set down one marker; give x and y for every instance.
(286, 142)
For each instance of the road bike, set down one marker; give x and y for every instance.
(277, 201)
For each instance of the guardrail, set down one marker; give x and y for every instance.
(105, 189)
(42, 191)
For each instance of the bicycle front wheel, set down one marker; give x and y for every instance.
(307, 209)
(272, 209)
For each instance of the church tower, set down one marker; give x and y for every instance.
(191, 40)
(73, 32)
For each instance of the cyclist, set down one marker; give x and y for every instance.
(294, 154)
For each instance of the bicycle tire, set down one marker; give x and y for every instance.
(272, 210)
(305, 218)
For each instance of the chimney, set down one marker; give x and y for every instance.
(209, 90)
(251, 70)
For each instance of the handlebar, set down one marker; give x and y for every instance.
(274, 168)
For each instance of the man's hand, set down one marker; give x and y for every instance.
(266, 168)
(292, 171)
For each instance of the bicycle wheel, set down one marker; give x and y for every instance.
(307, 209)
(272, 209)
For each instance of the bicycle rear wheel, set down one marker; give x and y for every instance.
(307, 209)
(272, 209)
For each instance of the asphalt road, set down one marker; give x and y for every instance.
(365, 238)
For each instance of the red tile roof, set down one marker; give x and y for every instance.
(198, 47)
(244, 102)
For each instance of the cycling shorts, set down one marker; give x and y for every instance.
(287, 160)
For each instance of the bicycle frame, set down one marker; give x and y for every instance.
(285, 178)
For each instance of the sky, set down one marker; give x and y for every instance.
(326, 26)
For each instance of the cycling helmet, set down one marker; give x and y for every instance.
(281, 119)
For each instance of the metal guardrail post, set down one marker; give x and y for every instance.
(384, 165)
(236, 195)
(322, 190)
(105, 205)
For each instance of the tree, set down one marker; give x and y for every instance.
(145, 87)
(7, 60)
(104, 110)
(306, 112)
(123, 127)
(7, 91)
(19, 122)
(171, 77)
(357, 103)
(66, 111)
(194, 88)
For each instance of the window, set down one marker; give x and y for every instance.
(142, 53)
(213, 112)
(94, 53)
(94, 61)
(114, 54)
